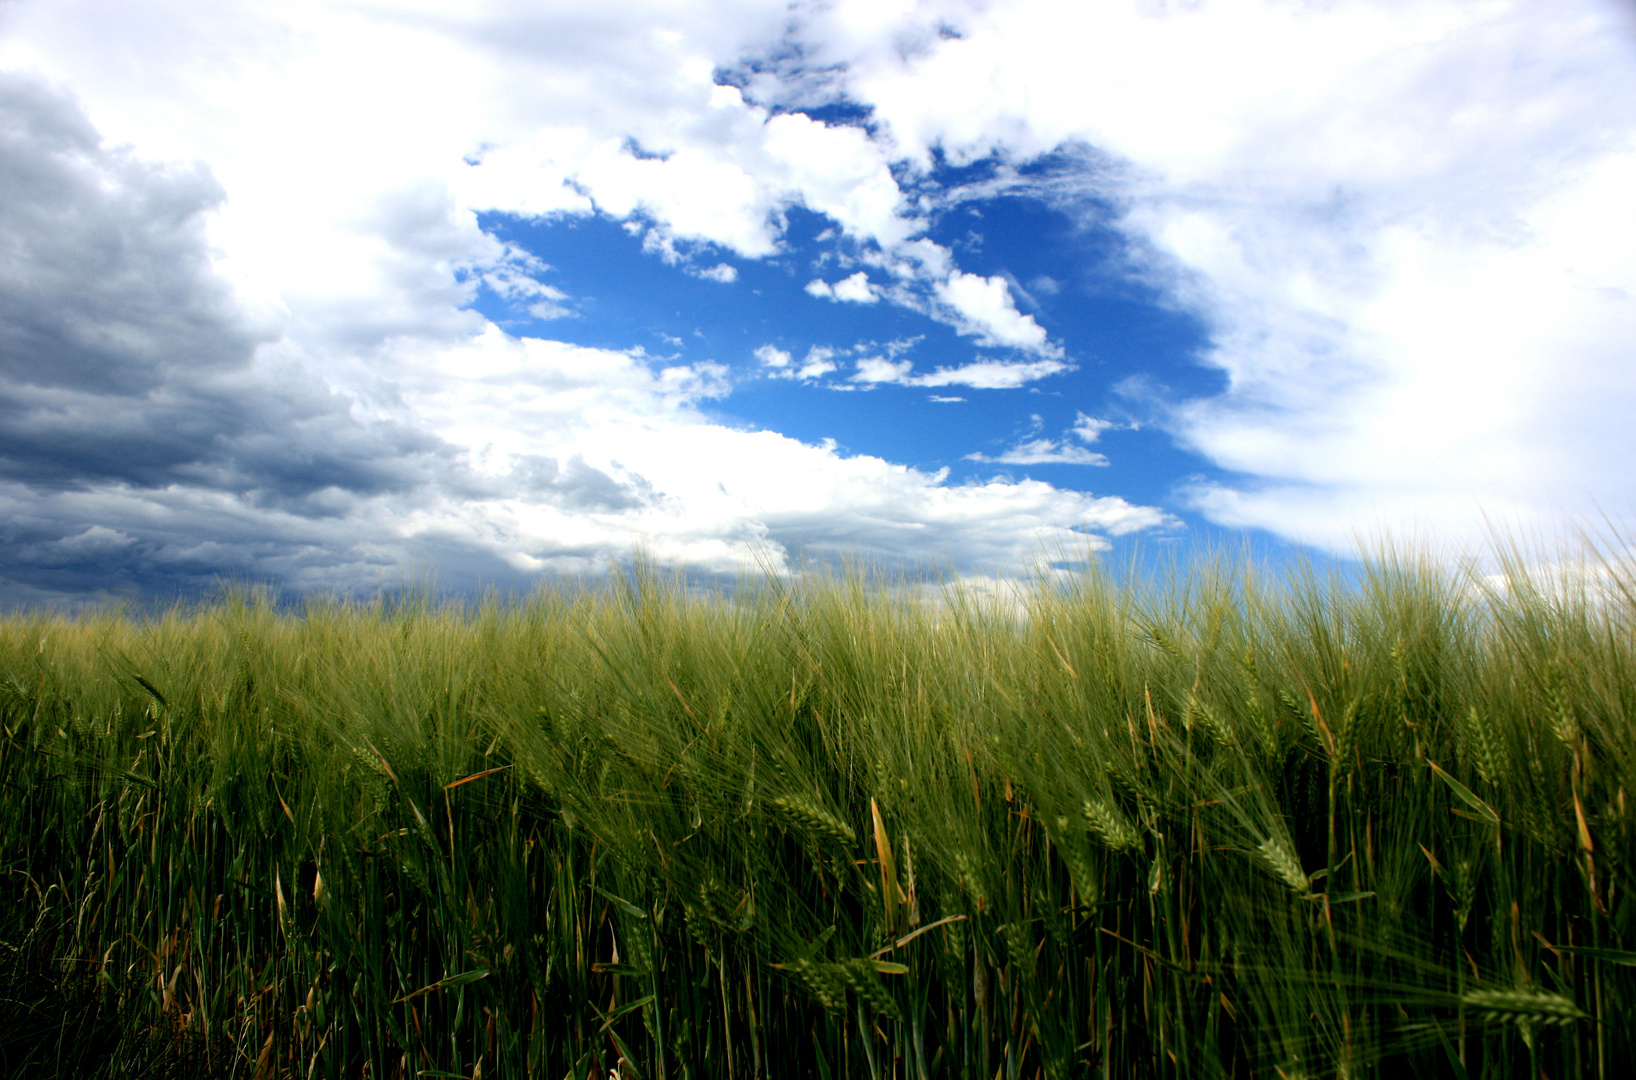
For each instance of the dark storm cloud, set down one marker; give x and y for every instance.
(105, 282)
(155, 440)
(127, 366)
(116, 541)
(125, 358)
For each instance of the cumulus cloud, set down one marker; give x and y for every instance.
(876, 369)
(724, 273)
(708, 495)
(772, 356)
(855, 289)
(780, 364)
(984, 307)
(1406, 226)
(817, 363)
(163, 424)
(1397, 220)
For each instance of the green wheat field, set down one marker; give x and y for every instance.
(1218, 823)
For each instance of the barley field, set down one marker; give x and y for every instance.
(1214, 823)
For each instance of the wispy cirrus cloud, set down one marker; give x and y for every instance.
(979, 374)
(1043, 452)
(1032, 449)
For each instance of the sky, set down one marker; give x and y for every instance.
(326, 294)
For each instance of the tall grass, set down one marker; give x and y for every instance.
(1221, 825)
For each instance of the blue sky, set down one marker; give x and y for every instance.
(323, 294)
(1113, 330)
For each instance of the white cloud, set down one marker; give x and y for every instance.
(1406, 225)
(1090, 428)
(984, 307)
(353, 178)
(817, 363)
(994, 374)
(1403, 224)
(1043, 452)
(772, 356)
(979, 375)
(780, 364)
(855, 289)
(725, 273)
(926, 282)
(716, 492)
(1033, 450)
(876, 369)
(172, 417)
(562, 459)
(548, 309)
